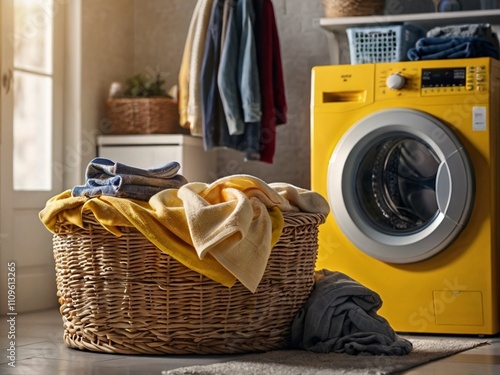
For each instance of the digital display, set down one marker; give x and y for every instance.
(443, 77)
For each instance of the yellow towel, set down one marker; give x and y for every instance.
(224, 230)
(302, 199)
(228, 221)
(166, 227)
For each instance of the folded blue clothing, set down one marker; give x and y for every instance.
(434, 48)
(105, 177)
(124, 187)
(113, 187)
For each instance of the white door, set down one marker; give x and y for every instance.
(30, 148)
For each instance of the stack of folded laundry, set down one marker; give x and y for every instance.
(455, 42)
(105, 177)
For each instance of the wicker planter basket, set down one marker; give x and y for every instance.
(142, 116)
(353, 8)
(124, 295)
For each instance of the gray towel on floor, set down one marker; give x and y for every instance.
(341, 316)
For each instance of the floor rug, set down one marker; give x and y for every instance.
(296, 362)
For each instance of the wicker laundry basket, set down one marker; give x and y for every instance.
(142, 116)
(124, 295)
(353, 8)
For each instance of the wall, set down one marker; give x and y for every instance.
(161, 27)
(122, 37)
(419, 6)
(102, 43)
(160, 31)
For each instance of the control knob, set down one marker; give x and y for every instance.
(395, 81)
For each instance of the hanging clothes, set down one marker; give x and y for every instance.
(225, 20)
(212, 111)
(215, 128)
(183, 79)
(238, 74)
(189, 75)
(239, 86)
(274, 107)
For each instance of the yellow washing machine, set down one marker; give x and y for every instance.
(407, 155)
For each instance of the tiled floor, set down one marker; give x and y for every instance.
(41, 351)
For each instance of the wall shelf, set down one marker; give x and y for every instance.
(334, 27)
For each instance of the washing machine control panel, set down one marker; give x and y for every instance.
(400, 80)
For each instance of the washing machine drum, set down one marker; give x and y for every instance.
(400, 185)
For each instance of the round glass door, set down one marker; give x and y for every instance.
(396, 185)
(400, 185)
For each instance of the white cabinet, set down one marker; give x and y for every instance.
(154, 150)
(335, 27)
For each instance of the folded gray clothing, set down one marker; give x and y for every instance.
(478, 30)
(105, 177)
(99, 166)
(175, 181)
(341, 316)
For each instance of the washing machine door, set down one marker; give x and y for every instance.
(400, 185)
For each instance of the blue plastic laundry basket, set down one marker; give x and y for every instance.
(382, 43)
